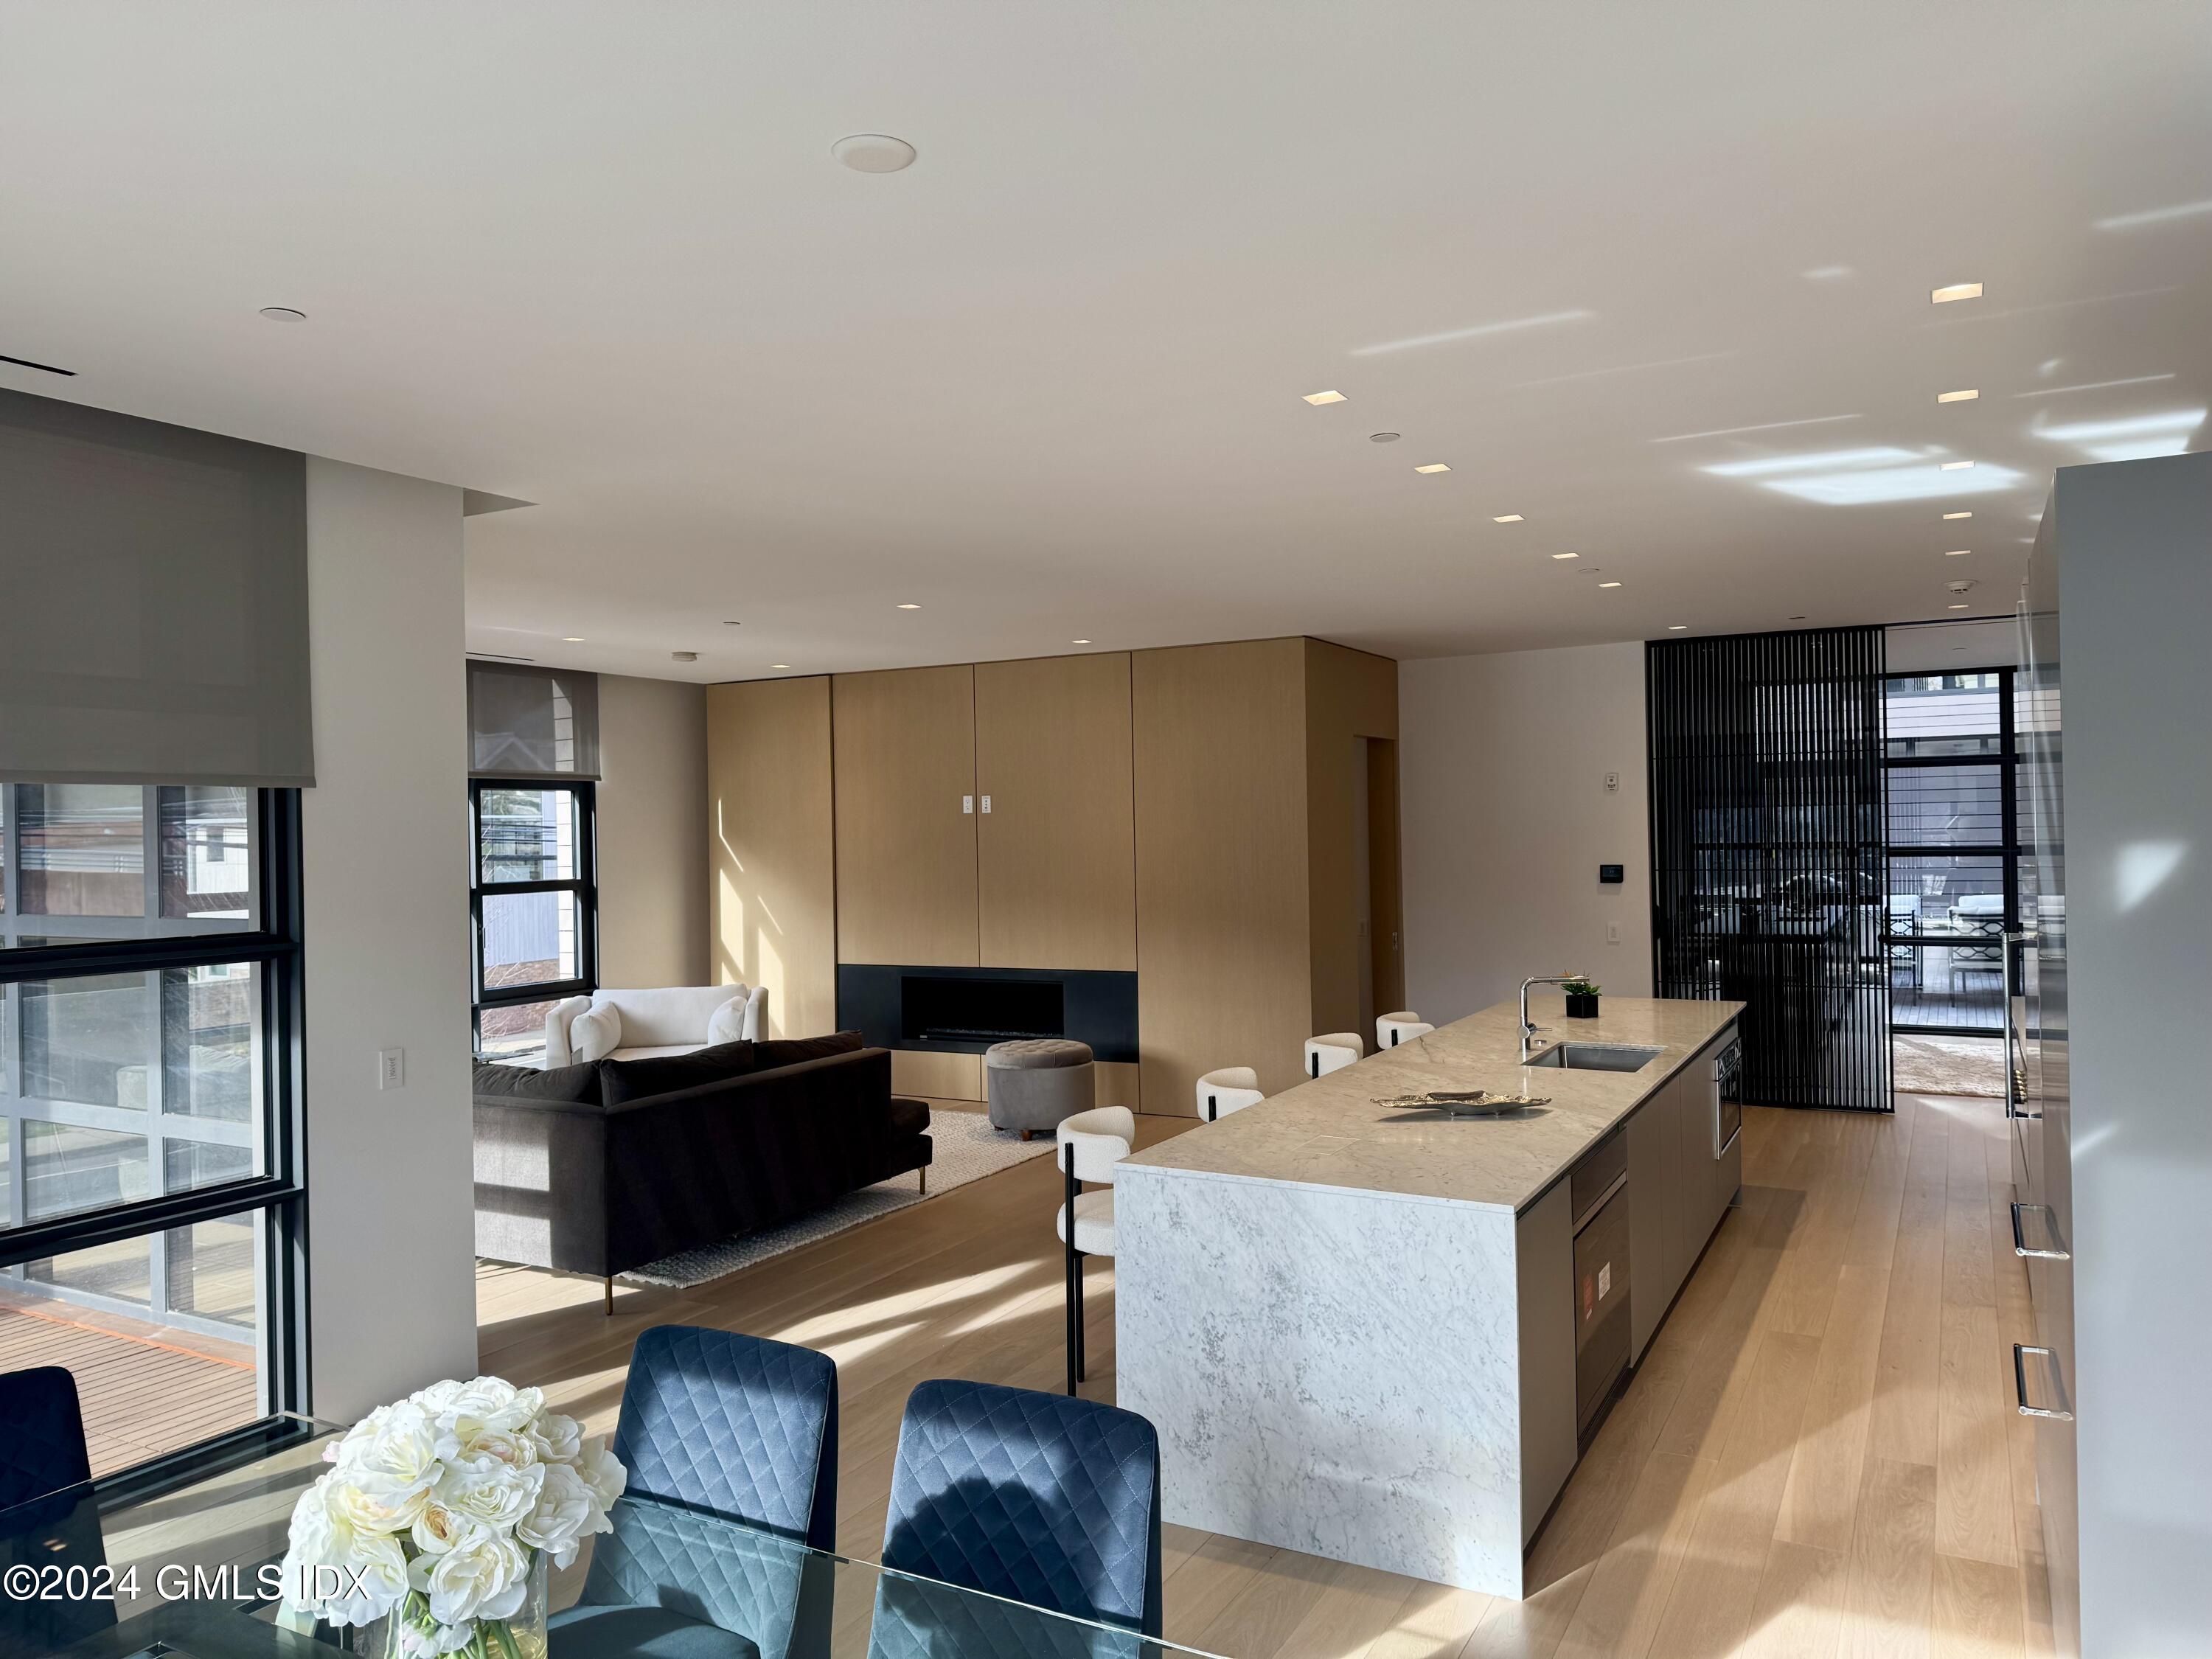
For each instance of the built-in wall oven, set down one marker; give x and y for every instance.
(1728, 1097)
(1599, 1190)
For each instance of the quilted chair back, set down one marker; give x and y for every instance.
(1041, 1498)
(736, 1425)
(48, 1516)
(43, 1448)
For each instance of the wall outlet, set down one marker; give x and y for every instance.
(391, 1069)
(1613, 933)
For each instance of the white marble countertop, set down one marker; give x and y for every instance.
(1329, 1132)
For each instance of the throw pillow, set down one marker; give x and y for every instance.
(625, 1080)
(577, 1084)
(790, 1051)
(728, 1023)
(595, 1033)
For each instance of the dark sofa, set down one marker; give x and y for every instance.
(600, 1169)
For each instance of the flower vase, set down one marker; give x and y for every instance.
(410, 1632)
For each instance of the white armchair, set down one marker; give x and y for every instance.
(671, 1019)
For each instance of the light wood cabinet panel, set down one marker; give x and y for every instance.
(1222, 964)
(774, 887)
(936, 1076)
(1056, 852)
(1352, 698)
(905, 755)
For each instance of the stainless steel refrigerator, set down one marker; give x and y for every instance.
(2108, 1039)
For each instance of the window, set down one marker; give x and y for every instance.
(150, 1202)
(1954, 848)
(534, 901)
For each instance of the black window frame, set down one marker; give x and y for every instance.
(276, 948)
(585, 885)
(2010, 852)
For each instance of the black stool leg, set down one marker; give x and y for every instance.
(1082, 1337)
(1070, 1285)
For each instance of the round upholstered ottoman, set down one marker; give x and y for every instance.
(1032, 1084)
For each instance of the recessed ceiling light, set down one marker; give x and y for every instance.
(572, 638)
(778, 665)
(1958, 552)
(1433, 466)
(1956, 466)
(1676, 628)
(284, 314)
(1961, 605)
(1078, 641)
(1797, 619)
(685, 656)
(1325, 398)
(1966, 396)
(1566, 555)
(873, 152)
(1608, 584)
(909, 607)
(1381, 437)
(727, 623)
(1956, 291)
(1957, 516)
(1507, 518)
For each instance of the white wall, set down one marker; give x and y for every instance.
(391, 1253)
(653, 919)
(1506, 817)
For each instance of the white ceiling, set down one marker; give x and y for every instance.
(1047, 383)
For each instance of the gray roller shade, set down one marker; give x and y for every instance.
(152, 602)
(531, 722)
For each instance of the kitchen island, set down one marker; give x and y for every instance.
(1356, 1327)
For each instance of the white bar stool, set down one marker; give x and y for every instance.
(1090, 1144)
(1231, 1089)
(1403, 1026)
(1332, 1051)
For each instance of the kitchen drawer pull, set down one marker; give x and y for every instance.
(2019, 1354)
(2056, 1250)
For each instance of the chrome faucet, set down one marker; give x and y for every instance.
(1527, 1025)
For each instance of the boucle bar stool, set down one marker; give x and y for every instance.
(1332, 1051)
(1403, 1026)
(1231, 1089)
(1089, 1145)
(1036, 1083)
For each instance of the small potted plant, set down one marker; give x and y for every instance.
(1581, 998)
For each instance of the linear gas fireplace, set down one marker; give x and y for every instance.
(966, 1010)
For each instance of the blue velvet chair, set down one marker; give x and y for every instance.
(716, 1427)
(48, 1516)
(1034, 1497)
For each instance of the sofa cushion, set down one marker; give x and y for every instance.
(596, 1033)
(908, 1117)
(659, 1015)
(728, 1024)
(791, 1051)
(579, 1085)
(622, 1081)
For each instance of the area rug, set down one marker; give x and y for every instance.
(966, 1147)
(1948, 1065)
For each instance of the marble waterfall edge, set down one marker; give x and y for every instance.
(1330, 1371)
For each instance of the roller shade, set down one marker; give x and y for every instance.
(531, 722)
(152, 602)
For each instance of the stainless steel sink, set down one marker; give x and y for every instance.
(1595, 1057)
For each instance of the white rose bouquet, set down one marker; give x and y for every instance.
(436, 1514)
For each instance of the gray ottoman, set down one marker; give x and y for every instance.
(1032, 1084)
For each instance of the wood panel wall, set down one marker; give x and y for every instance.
(905, 755)
(1220, 753)
(1057, 875)
(1350, 696)
(773, 887)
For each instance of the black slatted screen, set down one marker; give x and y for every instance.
(1768, 848)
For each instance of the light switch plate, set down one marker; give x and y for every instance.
(1613, 933)
(1612, 783)
(391, 1069)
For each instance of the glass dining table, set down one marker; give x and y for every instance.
(191, 1572)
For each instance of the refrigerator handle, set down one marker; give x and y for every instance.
(2019, 1354)
(2015, 1074)
(2054, 1250)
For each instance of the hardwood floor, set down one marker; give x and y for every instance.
(1819, 1456)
